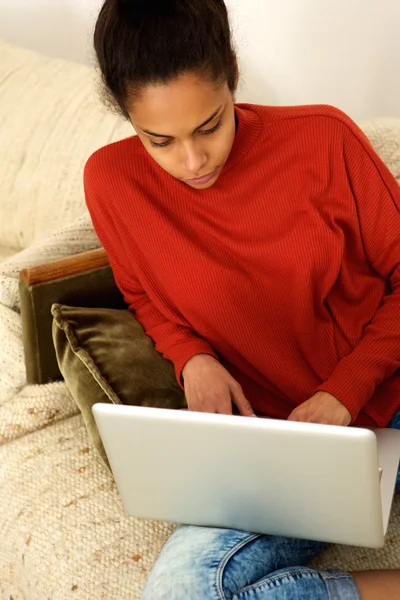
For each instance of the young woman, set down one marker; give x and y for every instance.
(259, 247)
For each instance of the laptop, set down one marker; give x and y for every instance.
(303, 480)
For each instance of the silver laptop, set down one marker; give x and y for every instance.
(318, 482)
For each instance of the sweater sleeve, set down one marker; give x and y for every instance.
(175, 342)
(376, 195)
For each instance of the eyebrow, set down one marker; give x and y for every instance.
(206, 122)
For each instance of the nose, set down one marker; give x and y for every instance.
(193, 158)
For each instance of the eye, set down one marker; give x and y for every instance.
(212, 130)
(205, 132)
(160, 145)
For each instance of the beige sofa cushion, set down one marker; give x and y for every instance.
(6, 252)
(64, 533)
(50, 122)
(384, 135)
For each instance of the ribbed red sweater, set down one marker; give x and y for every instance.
(287, 269)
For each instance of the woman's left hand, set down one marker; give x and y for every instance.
(321, 408)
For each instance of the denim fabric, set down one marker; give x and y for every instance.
(395, 424)
(199, 563)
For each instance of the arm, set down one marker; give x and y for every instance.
(175, 342)
(208, 386)
(377, 201)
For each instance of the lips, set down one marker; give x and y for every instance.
(203, 179)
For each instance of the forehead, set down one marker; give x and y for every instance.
(180, 105)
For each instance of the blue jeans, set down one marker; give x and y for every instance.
(200, 563)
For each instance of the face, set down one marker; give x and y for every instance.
(188, 128)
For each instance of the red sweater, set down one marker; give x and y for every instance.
(287, 269)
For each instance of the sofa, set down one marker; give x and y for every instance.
(64, 533)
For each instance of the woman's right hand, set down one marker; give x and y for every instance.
(210, 388)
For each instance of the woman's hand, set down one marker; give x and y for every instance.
(321, 408)
(210, 388)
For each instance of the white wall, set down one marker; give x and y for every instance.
(342, 52)
(55, 27)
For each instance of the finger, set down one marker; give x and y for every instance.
(197, 404)
(223, 404)
(241, 401)
(296, 415)
(292, 417)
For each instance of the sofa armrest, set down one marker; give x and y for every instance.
(84, 279)
(65, 267)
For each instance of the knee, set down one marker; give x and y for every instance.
(182, 570)
(189, 566)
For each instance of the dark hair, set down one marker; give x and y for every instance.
(142, 42)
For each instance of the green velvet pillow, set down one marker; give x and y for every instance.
(105, 356)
